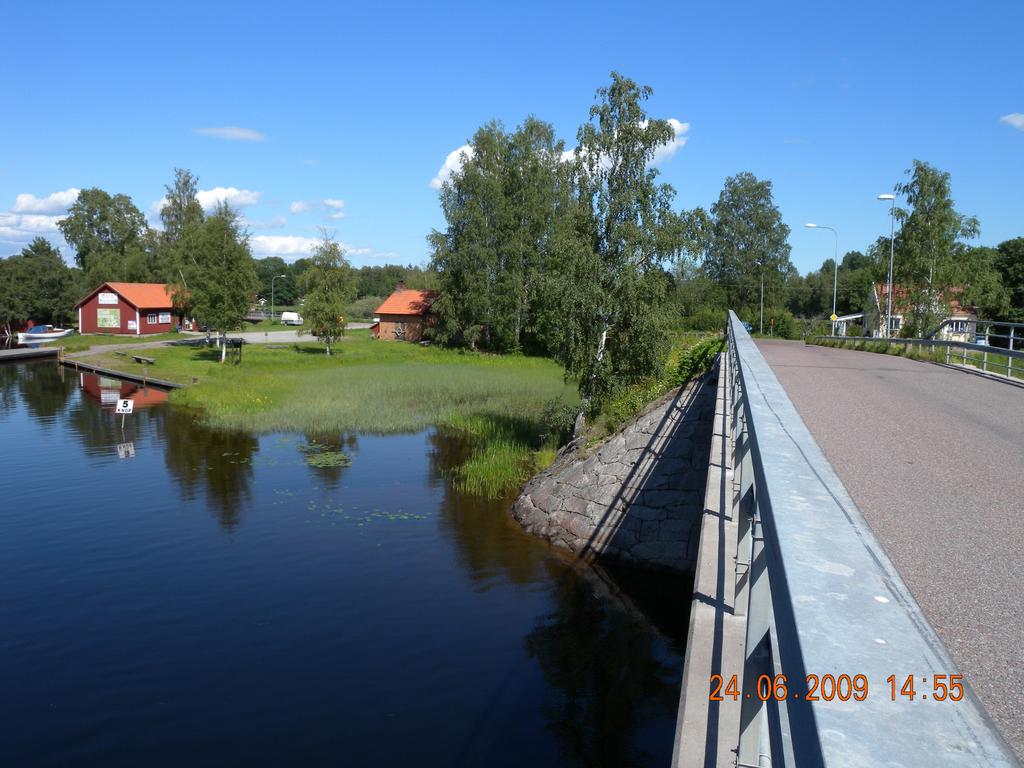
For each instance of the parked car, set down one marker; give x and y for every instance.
(291, 318)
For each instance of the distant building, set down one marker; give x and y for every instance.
(963, 320)
(127, 308)
(404, 315)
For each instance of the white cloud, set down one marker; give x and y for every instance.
(19, 228)
(282, 245)
(236, 198)
(452, 164)
(666, 151)
(299, 206)
(55, 202)
(232, 133)
(297, 246)
(1014, 120)
(209, 198)
(335, 206)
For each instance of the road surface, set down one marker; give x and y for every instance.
(934, 458)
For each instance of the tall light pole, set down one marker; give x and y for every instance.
(835, 268)
(272, 296)
(892, 250)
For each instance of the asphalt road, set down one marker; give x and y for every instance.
(934, 458)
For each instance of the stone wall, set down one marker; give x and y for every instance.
(638, 497)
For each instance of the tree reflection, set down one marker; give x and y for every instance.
(488, 541)
(45, 388)
(346, 443)
(8, 390)
(218, 461)
(613, 678)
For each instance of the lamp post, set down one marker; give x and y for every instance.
(835, 268)
(272, 297)
(892, 248)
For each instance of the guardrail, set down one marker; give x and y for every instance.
(830, 635)
(987, 358)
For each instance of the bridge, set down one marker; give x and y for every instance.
(855, 602)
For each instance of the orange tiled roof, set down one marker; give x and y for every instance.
(139, 295)
(407, 301)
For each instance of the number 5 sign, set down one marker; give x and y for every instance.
(125, 406)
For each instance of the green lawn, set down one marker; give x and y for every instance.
(80, 342)
(381, 387)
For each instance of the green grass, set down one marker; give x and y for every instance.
(496, 403)
(81, 342)
(691, 354)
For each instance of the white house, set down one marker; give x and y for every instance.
(963, 320)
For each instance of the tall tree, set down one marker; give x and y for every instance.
(329, 286)
(1009, 262)
(614, 284)
(748, 250)
(182, 216)
(36, 285)
(221, 277)
(499, 208)
(109, 235)
(181, 211)
(930, 263)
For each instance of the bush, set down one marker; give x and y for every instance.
(363, 309)
(705, 319)
(698, 359)
(781, 323)
(557, 419)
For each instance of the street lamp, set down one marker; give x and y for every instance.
(892, 247)
(272, 296)
(835, 269)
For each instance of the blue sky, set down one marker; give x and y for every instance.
(360, 105)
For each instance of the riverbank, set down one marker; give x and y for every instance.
(500, 404)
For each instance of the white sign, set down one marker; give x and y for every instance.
(126, 450)
(108, 298)
(125, 406)
(132, 325)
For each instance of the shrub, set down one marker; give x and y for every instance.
(362, 309)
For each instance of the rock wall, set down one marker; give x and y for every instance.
(637, 498)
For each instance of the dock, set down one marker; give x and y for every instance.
(11, 355)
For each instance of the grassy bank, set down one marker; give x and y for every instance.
(81, 342)
(497, 403)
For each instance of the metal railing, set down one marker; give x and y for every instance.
(985, 357)
(825, 611)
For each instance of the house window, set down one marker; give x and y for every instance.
(958, 326)
(165, 317)
(151, 319)
(894, 323)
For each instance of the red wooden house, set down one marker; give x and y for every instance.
(404, 315)
(135, 308)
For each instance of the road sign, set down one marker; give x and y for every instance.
(834, 317)
(125, 406)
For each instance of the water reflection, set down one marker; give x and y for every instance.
(613, 683)
(219, 462)
(343, 614)
(329, 473)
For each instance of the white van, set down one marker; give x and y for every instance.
(291, 318)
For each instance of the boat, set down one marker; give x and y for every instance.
(43, 333)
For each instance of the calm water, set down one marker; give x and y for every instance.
(176, 596)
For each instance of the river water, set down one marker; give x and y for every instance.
(172, 595)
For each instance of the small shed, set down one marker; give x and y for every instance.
(127, 308)
(404, 315)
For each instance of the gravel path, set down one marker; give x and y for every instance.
(934, 458)
(251, 337)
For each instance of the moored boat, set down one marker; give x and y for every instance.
(42, 333)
